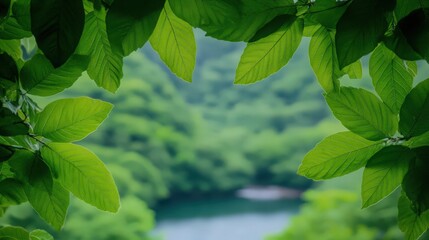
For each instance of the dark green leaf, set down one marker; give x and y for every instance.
(11, 124)
(21, 11)
(362, 113)
(391, 77)
(4, 9)
(131, 22)
(13, 30)
(327, 12)
(414, 114)
(271, 27)
(384, 173)
(9, 69)
(415, 183)
(412, 224)
(415, 28)
(399, 45)
(11, 193)
(57, 26)
(5, 153)
(12, 48)
(359, 30)
(337, 155)
(39, 77)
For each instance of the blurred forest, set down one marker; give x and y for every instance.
(168, 139)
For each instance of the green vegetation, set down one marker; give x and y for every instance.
(41, 164)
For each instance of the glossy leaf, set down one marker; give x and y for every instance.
(337, 155)
(362, 113)
(391, 77)
(131, 22)
(82, 173)
(384, 173)
(57, 26)
(414, 115)
(268, 55)
(105, 66)
(72, 119)
(323, 59)
(359, 30)
(174, 41)
(39, 77)
(409, 222)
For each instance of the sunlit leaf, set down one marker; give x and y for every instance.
(338, 155)
(267, 55)
(72, 119)
(174, 41)
(362, 113)
(409, 222)
(384, 173)
(12, 48)
(82, 173)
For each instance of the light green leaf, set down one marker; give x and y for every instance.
(384, 173)
(410, 223)
(39, 77)
(390, 76)
(105, 66)
(131, 22)
(323, 59)
(174, 41)
(338, 155)
(354, 70)
(418, 141)
(359, 30)
(82, 173)
(39, 234)
(68, 120)
(267, 55)
(414, 114)
(362, 113)
(12, 48)
(18, 233)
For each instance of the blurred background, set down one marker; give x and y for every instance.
(210, 160)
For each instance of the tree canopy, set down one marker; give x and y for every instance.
(45, 46)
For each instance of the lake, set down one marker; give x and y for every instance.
(224, 219)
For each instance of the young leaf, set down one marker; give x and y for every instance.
(174, 41)
(415, 28)
(384, 173)
(131, 22)
(390, 76)
(105, 66)
(57, 26)
(415, 185)
(362, 113)
(323, 59)
(13, 232)
(359, 30)
(412, 224)
(414, 114)
(82, 173)
(267, 55)
(39, 77)
(338, 155)
(68, 120)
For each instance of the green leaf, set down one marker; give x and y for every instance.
(399, 45)
(18, 233)
(72, 119)
(12, 48)
(355, 108)
(337, 155)
(384, 173)
(415, 28)
(270, 27)
(105, 66)
(131, 22)
(327, 12)
(5, 153)
(359, 30)
(21, 11)
(267, 55)
(174, 41)
(4, 9)
(405, 7)
(9, 69)
(415, 184)
(354, 70)
(390, 76)
(418, 141)
(323, 59)
(11, 193)
(57, 26)
(414, 114)
(39, 234)
(409, 222)
(39, 77)
(82, 173)
(13, 30)
(11, 124)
